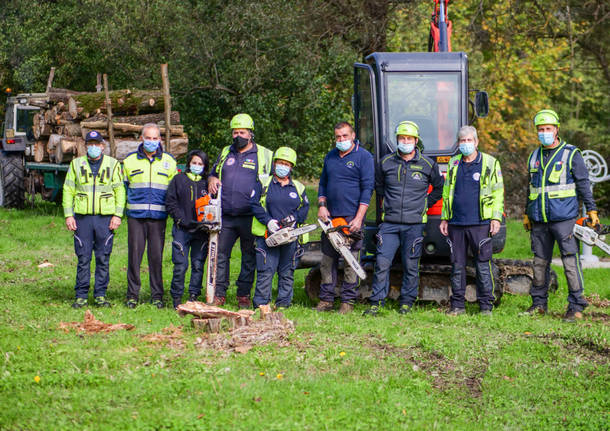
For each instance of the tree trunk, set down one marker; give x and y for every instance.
(128, 128)
(71, 129)
(40, 151)
(130, 102)
(54, 140)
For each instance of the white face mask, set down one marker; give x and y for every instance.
(343, 145)
(546, 138)
(405, 148)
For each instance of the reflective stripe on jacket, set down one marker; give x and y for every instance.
(147, 182)
(84, 193)
(259, 229)
(491, 188)
(264, 158)
(552, 187)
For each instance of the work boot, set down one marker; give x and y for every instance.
(324, 306)
(534, 309)
(455, 311)
(158, 303)
(485, 313)
(193, 297)
(219, 301)
(372, 311)
(176, 302)
(572, 316)
(80, 303)
(404, 309)
(346, 308)
(101, 301)
(131, 303)
(244, 303)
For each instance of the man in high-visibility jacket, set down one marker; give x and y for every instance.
(558, 177)
(148, 172)
(93, 201)
(473, 206)
(238, 167)
(279, 202)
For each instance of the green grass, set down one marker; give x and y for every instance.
(422, 371)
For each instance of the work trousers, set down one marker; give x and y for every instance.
(150, 234)
(183, 244)
(328, 273)
(543, 237)
(477, 239)
(92, 235)
(269, 260)
(392, 236)
(234, 227)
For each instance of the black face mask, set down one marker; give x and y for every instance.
(240, 142)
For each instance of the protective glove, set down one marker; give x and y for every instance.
(527, 224)
(593, 219)
(289, 221)
(273, 226)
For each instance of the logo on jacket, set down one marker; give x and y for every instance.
(417, 176)
(293, 195)
(166, 165)
(476, 176)
(350, 164)
(230, 161)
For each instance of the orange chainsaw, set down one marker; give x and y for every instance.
(593, 236)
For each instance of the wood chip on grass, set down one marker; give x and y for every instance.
(90, 325)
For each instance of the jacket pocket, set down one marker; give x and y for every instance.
(107, 203)
(81, 203)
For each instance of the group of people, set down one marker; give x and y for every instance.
(259, 196)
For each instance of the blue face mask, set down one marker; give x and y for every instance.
(196, 169)
(94, 151)
(405, 148)
(344, 145)
(151, 146)
(467, 148)
(282, 171)
(546, 138)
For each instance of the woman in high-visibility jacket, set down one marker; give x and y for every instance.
(279, 202)
(184, 189)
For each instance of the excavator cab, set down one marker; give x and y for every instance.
(430, 89)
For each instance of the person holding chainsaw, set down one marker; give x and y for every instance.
(148, 172)
(188, 235)
(238, 167)
(278, 203)
(473, 207)
(558, 178)
(402, 180)
(93, 202)
(344, 193)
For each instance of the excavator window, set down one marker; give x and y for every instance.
(24, 122)
(430, 100)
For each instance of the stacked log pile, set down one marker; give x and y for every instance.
(66, 116)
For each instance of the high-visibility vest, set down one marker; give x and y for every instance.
(552, 189)
(491, 188)
(259, 229)
(264, 158)
(147, 183)
(85, 194)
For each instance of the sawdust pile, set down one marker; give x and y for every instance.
(90, 325)
(595, 300)
(170, 336)
(274, 329)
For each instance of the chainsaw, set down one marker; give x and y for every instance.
(209, 214)
(341, 242)
(593, 236)
(288, 234)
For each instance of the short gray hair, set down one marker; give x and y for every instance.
(150, 126)
(468, 131)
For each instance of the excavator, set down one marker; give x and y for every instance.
(432, 89)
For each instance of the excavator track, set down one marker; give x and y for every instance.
(510, 276)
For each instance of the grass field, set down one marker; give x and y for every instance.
(422, 371)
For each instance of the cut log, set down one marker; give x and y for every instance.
(54, 140)
(123, 102)
(71, 129)
(126, 146)
(157, 118)
(129, 128)
(40, 151)
(69, 148)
